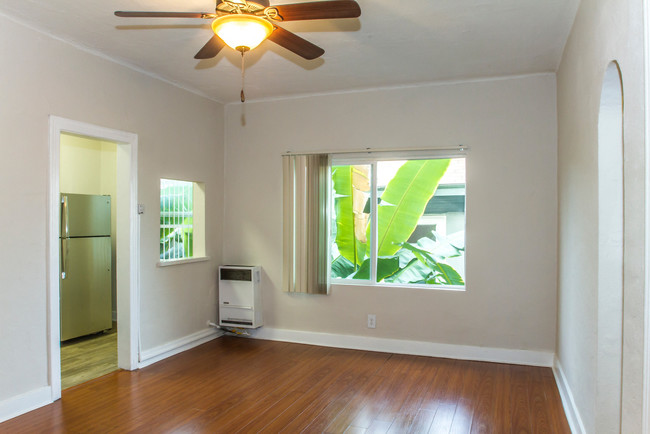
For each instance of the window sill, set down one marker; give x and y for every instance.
(183, 261)
(454, 288)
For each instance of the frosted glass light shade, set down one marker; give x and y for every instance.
(241, 30)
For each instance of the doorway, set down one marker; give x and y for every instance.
(120, 148)
(88, 297)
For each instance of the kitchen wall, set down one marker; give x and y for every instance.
(603, 31)
(180, 135)
(509, 125)
(89, 166)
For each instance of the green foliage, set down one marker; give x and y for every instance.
(436, 272)
(401, 206)
(385, 267)
(176, 220)
(342, 267)
(404, 200)
(351, 189)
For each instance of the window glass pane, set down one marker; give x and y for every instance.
(176, 219)
(350, 237)
(421, 221)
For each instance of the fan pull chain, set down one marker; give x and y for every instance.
(242, 96)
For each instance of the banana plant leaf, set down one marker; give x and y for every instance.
(351, 189)
(414, 271)
(447, 275)
(439, 247)
(442, 273)
(404, 200)
(341, 267)
(385, 267)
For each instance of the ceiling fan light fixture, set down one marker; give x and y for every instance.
(242, 32)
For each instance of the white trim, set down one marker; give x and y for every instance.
(20, 404)
(646, 339)
(53, 216)
(374, 222)
(182, 261)
(127, 359)
(399, 346)
(179, 345)
(424, 286)
(134, 263)
(437, 83)
(570, 408)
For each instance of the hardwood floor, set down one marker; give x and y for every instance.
(244, 385)
(89, 357)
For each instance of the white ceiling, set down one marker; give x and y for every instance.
(393, 43)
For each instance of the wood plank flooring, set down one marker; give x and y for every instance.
(89, 357)
(244, 385)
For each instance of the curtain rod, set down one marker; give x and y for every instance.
(459, 148)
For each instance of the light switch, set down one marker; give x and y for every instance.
(140, 208)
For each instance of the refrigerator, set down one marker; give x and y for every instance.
(85, 278)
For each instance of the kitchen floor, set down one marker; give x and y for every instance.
(88, 357)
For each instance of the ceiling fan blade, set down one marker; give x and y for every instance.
(295, 43)
(211, 48)
(319, 10)
(135, 14)
(264, 3)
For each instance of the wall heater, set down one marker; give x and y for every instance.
(240, 297)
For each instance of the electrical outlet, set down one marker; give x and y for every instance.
(372, 320)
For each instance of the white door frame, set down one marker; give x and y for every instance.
(646, 356)
(128, 246)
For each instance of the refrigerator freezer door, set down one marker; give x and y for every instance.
(86, 291)
(85, 215)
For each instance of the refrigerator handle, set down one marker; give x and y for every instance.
(65, 230)
(65, 233)
(64, 257)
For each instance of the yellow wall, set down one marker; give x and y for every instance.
(88, 166)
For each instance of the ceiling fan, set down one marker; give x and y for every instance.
(243, 25)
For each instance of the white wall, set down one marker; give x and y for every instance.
(180, 136)
(604, 30)
(510, 126)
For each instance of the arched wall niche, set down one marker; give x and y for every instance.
(610, 251)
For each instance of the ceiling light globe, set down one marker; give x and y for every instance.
(242, 30)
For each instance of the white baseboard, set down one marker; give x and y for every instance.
(570, 408)
(17, 405)
(169, 349)
(419, 348)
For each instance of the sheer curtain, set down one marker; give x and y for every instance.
(305, 235)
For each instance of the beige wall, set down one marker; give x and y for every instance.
(180, 136)
(510, 126)
(604, 30)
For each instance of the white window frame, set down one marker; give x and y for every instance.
(371, 159)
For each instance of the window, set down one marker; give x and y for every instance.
(181, 220)
(398, 221)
